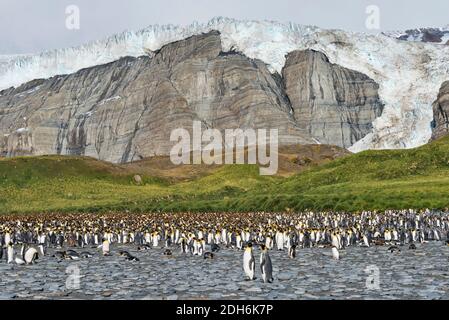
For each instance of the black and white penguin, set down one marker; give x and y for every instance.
(71, 255)
(292, 252)
(80, 241)
(20, 258)
(41, 250)
(144, 247)
(123, 253)
(266, 267)
(59, 254)
(167, 252)
(168, 242)
(128, 256)
(184, 246)
(248, 262)
(105, 247)
(155, 238)
(30, 255)
(335, 253)
(59, 241)
(366, 241)
(86, 255)
(394, 249)
(208, 255)
(10, 252)
(131, 258)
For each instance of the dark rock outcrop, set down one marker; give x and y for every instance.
(440, 124)
(434, 35)
(126, 110)
(335, 105)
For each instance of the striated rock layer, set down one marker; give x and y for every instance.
(126, 110)
(335, 105)
(440, 125)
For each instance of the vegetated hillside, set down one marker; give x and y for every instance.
(416, 178)
(58, 183)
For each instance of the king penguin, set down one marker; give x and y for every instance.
(292, 252)
(266, 267)
(208, 255)
(215, 247)
(248, 262)
(20, 258)
(31, 255)
(10, 252)
(183, 245)
(41, 250)
(335, 253)
(105, 247)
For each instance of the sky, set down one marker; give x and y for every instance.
(31, 26)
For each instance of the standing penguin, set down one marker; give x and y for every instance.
(335, 253)
(266, 267)
(105, 247)
(269, 242)
(239, 242)
(156, 238)
(183, 245)
(292, 252)
(10, 252)
(196, 247)
(365, 241)
(279, 240)
(248, 262)
(41, 250)
(20, 259)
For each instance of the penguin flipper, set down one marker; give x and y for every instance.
(262, 264)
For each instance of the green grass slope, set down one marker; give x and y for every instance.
(388, 179)
(393, 179)
(55, 183)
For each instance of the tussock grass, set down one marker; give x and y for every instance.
(394, 179)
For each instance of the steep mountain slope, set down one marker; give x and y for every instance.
(336, 105)
(440, 125)
(409, 74)
(126, 110)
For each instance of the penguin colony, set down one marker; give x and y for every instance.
(24, 239)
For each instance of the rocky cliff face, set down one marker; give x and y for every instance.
(126, 110)
(335, 105)
(440, 125)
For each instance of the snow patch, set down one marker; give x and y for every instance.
(109, 100)
(22, 130)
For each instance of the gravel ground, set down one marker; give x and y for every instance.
(410, 274)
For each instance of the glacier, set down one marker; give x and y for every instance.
(409, 73)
